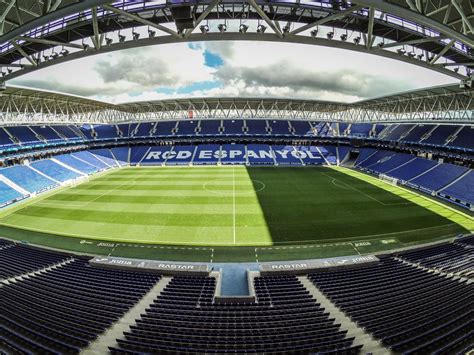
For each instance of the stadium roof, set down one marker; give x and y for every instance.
(439, 104)
(435, 34)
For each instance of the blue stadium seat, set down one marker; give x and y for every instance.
(259, 154)
(27, 178)
(207, 154)
(8, 194)
(54, 170)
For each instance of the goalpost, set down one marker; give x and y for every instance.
(388, 179)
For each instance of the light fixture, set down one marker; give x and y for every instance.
(420, 56)
(204, 28)
(357, 40)
(314, 33)
(108, 41)
(135, 36)
(380, 44)
(411, 54)
(151, 33)
(10, 70)
(456, 69)
(54, 55)
(121, 38)
(261, 29)
(330, 35)
(64, 52)
(222, 27)
(287, 28)
(45, 58)
(344, 37)
(401, 51)
(243, 28)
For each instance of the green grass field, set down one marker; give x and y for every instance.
(274, 212)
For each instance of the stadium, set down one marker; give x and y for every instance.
(239, 218)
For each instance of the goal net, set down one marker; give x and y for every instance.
(388, 179)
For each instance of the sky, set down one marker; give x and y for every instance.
(232, 69)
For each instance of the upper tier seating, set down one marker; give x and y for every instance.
(364, 154)
(24, 135)
(417, 133)
(164, 128)
(185, 319)
(408, 309)
(301, 128)
(143, 129)
(67, 132)
(464, 139)
(54, 170)
(18, 259)
(281, 128)
(8, 194)
(398, 131)
(440, 135)
(359, 130)
(5, 141)
(210, 127)
(256, 127)
(234, 127)
(106, 131)
(439, 177)
(187, 128)
(64, 309)
(27, 178)
(47, 133)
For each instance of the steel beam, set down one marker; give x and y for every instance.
(328, 18)
(139, 19)
(47, 41)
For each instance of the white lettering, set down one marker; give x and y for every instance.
(234, 153)
(183, 154)
(153, 155)
(205, 154)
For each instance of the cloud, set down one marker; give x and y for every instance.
(247, 69)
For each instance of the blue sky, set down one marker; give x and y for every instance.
(251, 69)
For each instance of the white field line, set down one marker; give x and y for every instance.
(363, 193)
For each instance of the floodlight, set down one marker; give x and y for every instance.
(64, 52)
(85, 46)
(121, 38)
(261, 29)
(53, 55)
(330, 35)
(135, 36)
(204, 28)
(401, 51)
(380, 44)
(222, 27)
(411, 54)
(287, 28)
(108, 41)
(456, 69)
(357, 40)
(243, 28)
(10, 70)
(420, 56)
(151, 33)
(314, 33)
(344, 37)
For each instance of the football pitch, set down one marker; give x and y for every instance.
(261, 208)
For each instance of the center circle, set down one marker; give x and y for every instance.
(257, 187)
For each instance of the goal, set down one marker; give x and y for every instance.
(388, 179)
